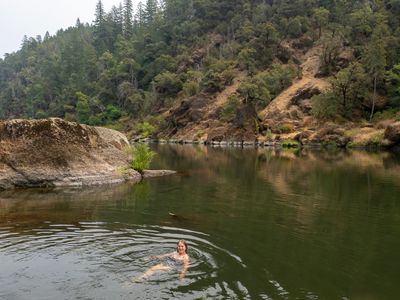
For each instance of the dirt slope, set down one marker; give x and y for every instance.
(222, 97)
(310, 67)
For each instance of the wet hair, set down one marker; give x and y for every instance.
(186, 245)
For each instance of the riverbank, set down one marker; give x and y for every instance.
(53, 153)
(328, 136)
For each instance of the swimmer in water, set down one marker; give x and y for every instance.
(180, 255)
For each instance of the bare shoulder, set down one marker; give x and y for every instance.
(184, 257)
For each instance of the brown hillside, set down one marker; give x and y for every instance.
(310, 67)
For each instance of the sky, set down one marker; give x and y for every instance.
(35, 17)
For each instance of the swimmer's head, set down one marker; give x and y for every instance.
(182, 247)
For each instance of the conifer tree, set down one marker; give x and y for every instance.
(100, 31)
(139, 16)
(116, 18)
(127, 23)
(150, 11)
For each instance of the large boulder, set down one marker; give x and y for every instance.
(392, 133)
(53, 152)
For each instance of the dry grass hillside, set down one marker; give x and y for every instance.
(287, 117)
(310, 67)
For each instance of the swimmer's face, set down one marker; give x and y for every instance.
(181, 248)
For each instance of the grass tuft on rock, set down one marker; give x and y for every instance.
(142, 156)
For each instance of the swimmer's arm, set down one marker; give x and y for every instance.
(162, 255)
(185, 268)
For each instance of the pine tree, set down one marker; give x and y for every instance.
(139, 16)
(127, 22)
(116, 16)
(100, 31)
(150, 11)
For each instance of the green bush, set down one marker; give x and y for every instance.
(265, 86)
(278, 78)
(167, 83)
(285, 128)
(254, 90)
(324, 106)
(393, 85)
(228, 76)
(113, 113)
(146, 129)
(212, 82)
(141, 157)
(386, 115)
(230, 107)
(290, 144)
(191, 88)
(41, 114)
(247, 60)
(220, 73)
(219, 65)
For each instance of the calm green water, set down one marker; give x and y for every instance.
(260, 224)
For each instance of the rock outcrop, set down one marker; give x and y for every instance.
(53, 152)
(392, 133)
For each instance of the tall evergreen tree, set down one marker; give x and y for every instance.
(100, 31)
(117, 19)
(150, 11)
(127, 23)
(139, 16)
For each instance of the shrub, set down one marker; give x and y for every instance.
(141, 157)
(324, 106)
(290, 144)
(41, 114)
(386, 115)
(286, 128)
(191, 88)
(295, 27)
(220, 73)
(393, 85)
(228, 76)
(219, 65)
(113, 113)
(254, 90)
(247, 59)
(167, 83)
(70, 117)
(146, 129)
(212, 82)
(376, 140)
(278, 78)
(230, 107)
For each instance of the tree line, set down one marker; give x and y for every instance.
(133, 62)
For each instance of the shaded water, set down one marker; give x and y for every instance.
(261, 224)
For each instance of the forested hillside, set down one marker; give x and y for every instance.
(143, 63)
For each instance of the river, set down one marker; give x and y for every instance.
(260, 224)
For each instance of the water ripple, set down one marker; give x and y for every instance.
(99, 258)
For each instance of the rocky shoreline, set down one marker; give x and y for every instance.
(388, 138)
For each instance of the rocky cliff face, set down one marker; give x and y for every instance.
(53, 152)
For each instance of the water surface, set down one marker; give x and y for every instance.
(261, 224)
